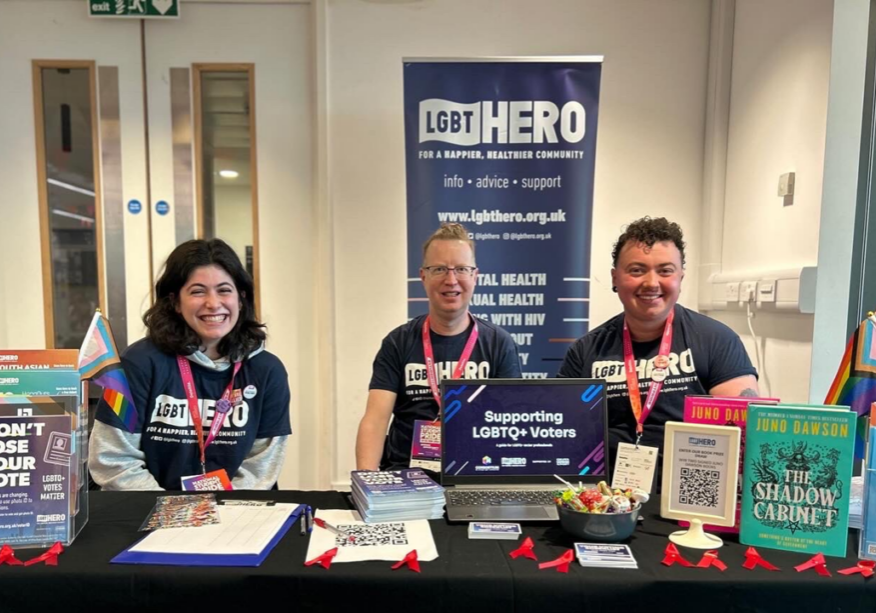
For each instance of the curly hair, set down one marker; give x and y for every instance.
(647, 231)
(169, 331)
(449, 232)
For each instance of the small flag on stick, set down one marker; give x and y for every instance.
(855, 382)
(100, 363)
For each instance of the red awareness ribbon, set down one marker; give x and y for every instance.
(324, 560)
(710, 558)
(865, 567)
(50, 557)
(410, 560)
(672, 556)
(7, 556)
(525, 550)
(753, 558)
(561, 563)
(818, 563)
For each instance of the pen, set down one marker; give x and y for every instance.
(303, 524)
(309, 520)
(324, 524)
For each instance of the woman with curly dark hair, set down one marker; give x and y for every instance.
(208, 396)
(656, 352)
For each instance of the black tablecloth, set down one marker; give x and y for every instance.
(469, 575)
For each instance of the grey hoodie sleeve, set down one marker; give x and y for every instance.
(261, 468)
(116, 461)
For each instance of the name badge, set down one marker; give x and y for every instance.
(634, 467)
(216, 480)
(426, 445)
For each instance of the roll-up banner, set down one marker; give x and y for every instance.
(506, 146)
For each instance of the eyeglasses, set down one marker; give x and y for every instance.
(442, 271)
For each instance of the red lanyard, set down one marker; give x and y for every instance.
(658, 373)
(223, 405)
(460, 365)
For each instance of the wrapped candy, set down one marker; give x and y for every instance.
(599, 499)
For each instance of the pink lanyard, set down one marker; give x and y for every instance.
(460, 365)
(223, 405)
(658, 373)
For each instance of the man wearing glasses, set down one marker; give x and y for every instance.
(416, 356)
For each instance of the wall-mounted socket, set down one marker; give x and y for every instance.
(748, 291)
(766, 290)
(731, 292)
(786, 184)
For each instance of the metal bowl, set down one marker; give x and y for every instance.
(599, 527)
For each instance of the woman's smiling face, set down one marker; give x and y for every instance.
(210, 304)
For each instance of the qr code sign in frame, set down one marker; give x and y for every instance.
(715, 501)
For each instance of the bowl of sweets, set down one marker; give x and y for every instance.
(599, 514)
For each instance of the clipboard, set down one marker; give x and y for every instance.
(188, 559)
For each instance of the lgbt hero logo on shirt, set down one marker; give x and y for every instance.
(416, 376)
(613, 371)
(175, 412)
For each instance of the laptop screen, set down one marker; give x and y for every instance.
(523, 430)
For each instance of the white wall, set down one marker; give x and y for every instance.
(649, 150)
(778, 113)
(842, 154)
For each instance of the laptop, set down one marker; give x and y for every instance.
(503, 440)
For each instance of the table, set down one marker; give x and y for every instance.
(469, 575)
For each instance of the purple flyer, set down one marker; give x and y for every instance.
(35, 458)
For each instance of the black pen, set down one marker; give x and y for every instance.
(303, 525)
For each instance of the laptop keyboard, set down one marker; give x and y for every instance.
(500, 497)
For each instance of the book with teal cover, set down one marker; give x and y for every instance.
(797, 478)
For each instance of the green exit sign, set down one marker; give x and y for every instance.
(133, 8)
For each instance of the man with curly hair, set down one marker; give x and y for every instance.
(656, 352)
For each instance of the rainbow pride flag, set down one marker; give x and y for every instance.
(100, 363)
(855, 382)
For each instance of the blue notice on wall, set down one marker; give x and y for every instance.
(134, 206)
(162, 208)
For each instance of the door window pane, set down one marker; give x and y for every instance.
(226, 150)
(71, 202)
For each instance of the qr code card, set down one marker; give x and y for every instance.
(373, 541)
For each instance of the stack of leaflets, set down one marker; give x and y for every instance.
(398, 495)
(856, 503)
(867, 543)
(604, 555)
